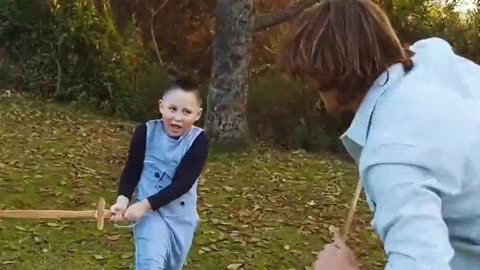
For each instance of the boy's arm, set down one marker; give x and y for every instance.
(134, 165)
(189, 169)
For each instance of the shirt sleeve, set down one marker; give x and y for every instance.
(408, 212)
(187, 172)
(134, 165)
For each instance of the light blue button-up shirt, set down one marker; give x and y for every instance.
(416, 140)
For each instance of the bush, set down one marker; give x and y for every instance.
(152, 82)
(70, 50)
(288, 113)
(6, 71)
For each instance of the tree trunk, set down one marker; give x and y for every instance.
(226, 119)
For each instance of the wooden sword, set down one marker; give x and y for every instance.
(99, 215)
(351, 211)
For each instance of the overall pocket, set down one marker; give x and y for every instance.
(154, 179)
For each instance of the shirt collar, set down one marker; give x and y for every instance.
(357, 132)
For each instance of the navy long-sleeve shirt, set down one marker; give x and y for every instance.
(186, 174)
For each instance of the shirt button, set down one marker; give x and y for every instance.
(157, 175)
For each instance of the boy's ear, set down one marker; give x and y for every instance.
(160, 105)
(199, 114)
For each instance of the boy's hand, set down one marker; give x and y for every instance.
(336, 256)
(118, 209)
(137, 210)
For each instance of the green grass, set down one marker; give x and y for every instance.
(264, 210)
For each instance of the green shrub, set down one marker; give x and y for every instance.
(70, 51)
(287, 113)
(6, 71)
(152, 82)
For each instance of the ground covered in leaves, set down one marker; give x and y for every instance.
(262, 210)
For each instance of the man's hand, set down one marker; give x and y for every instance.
(336, 256)
(137, 210)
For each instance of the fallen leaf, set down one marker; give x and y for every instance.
(126, 255)
(98, 257)
(21, 228)
(206, 249)
(9, 262)
(228, 188)
(234, 266)
(113, 237)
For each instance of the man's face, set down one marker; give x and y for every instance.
(328, 96)
(330, 101)
(180, 110)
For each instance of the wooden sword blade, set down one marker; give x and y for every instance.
(48, 214)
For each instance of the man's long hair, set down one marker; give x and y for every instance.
(343, 45)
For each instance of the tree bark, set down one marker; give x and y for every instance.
(226, 119)
(264, 21)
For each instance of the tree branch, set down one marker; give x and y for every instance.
(152, 30)
(264, 21)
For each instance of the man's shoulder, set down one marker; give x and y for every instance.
(417, 112)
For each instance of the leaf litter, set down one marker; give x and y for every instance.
(267, 209)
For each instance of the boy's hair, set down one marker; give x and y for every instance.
(186, 84)
(344, 45)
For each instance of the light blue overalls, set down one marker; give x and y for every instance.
(163, 238)
(416, 139)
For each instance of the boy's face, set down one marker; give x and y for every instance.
(180, 110)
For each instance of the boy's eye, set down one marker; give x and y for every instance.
(172, 109)
(187, 111)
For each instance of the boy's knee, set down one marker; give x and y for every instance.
(152, 255)
(147, 263)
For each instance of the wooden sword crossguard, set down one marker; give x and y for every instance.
(99, 215)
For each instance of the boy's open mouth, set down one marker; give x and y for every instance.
(175, 127)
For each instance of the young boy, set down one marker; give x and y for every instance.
(415, 135)
(165, 160)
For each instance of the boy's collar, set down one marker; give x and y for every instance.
(359, 126)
